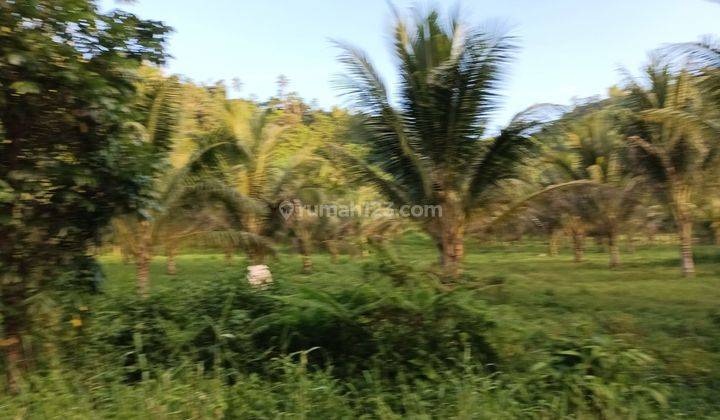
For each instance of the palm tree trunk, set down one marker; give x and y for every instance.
(13, 320)
(304, 245)
(553, 243)
(578, 240)
(632, 243)
(253, 224)
(683, 219)
(452, 250)
(144, 256)
(686, 247)
(614, 250)
(13, 360)
(333, 250)
(307, 264)
(143, 275)
(171, 264)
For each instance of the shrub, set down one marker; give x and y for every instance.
(417, 330)
(229, 326)
(595, 376)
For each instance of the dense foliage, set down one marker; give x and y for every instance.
(535, 343)
(109, 166)
(66, 89)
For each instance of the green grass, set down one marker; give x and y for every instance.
(532, 298)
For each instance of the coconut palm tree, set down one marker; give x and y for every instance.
(703, 59)
(674, 137)
(711, 214)
(157, 103)
(559, 209)
(248, 168)
(430, 145)
(593, 150)
(175, 217)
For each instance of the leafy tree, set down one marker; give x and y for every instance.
(429, 146)
(68, 160)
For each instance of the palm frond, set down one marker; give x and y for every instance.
(698, 55)
(393, 145)
(363, 171)
(500, 161)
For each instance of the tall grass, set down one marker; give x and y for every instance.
(522, 338)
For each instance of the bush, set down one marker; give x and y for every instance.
(414, 330)
(595, 376)
(228, 325)
(384, 349)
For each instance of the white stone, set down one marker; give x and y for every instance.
(259, 276)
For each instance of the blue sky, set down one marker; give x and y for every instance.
(569, 48)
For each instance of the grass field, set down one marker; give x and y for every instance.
(532, 300)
